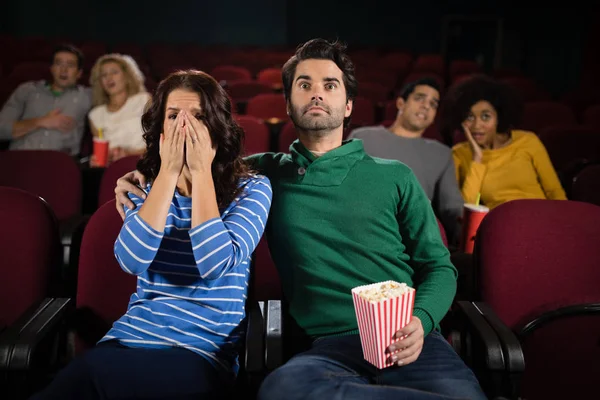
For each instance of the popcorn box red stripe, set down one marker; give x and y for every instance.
(379, 321)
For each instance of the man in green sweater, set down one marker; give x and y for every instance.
(340, 219)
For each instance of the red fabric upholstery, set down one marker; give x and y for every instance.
(463, 67)
(457, 79)
(363, 112)
(543, 114)
(231, 73)
(52, 175)
(242, 91)
(265, 282)
(374, 91)
(586, 185)
(267, 106)
(391, 110)
(258, 138)
(271, 77)
(569, 144)
(549, 360)
(369, 73)
(113, 172)
(286, 137)
(443, 233)
(538, 255)
(30, 71)
(430, 63)
(29, 244)
(102, 286)
(397, 61)
(527, 89)
(534, 252)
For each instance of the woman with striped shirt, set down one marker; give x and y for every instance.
(189, 241)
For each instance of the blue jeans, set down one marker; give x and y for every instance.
(113, 371)
(334, 368)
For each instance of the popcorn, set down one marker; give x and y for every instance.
(382, 291)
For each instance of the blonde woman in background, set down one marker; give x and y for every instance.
(119, 99)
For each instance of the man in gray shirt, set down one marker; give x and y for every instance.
(430, 160)
(49, 115)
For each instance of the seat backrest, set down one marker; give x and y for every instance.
(265, 278)
(102, 286)
(570, 144)
(29, 248)
(270, 76)
(242, 91)
(267, 105)
(526, 89)
(586, 185)
(257, 136)
(531, 254)
(375, 92)
(430, 63)
(363, 112)
(30, 71)
(462, 67)
(390, 110)
(543, 114)
(443, 233)
(286, 137)
(231, 73)
(397, 61)
(113, 172)
(51, 175)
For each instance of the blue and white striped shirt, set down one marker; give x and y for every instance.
(192, 283)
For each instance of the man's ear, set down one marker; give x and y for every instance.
(349, 105)
(400, 103)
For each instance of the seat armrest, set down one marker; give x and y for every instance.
(71, 228)
(513, 353)
(71, 234)
(255, 338)
(19, 342)
(555, 312)
(480, 348)
(477, 326)
(273, 335)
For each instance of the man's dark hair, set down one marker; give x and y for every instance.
(410, 87)
(69, 48)
(321, 49)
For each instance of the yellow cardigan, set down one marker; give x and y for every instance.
(521, 170)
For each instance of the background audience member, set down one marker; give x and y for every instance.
(119, 98)
(42, 115)
(497, 162)
(430, 160)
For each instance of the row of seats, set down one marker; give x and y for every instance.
(535, 268)
(58, 178)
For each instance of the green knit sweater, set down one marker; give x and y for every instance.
(347, 219)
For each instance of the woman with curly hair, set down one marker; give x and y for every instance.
(119, 98)
(497, 162)
(189, 241)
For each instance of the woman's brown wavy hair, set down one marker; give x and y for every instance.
(228, 167)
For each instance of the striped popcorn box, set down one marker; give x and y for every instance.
(381, 309)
